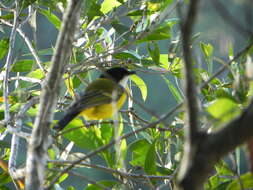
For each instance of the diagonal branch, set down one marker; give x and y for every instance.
(40, 141)
(212, 148)
(231, 19)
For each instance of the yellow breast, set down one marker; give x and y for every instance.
(103, 111)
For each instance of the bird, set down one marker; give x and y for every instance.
(101, 99)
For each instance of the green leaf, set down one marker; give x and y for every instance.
(4, 144)
(223, 169)
(63, 177)
(173, 90)
(223, 109)
(160, 33)
(4, 47)
(24, 65)
(164, 61)
(25, 3)
(92, 9)
(33, 111)
(9, 16)
(207, 49)
(38, 74)
(150, 161)
(109, 5)
(89, 138)
(176, 67)
(246, 180)
(106, 183)
(154, 52)
(157, 5)
(216, 182)
(164, 171)
(139, 150)
(120, 29)
(141, 85)
(43, 52)
(4, 178)
(106, 132)
(127, 55)
(137, 12)
(51, 17)
(70, 188)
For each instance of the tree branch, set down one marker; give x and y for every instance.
(192, 133)
(212, 148)
(113, 171)
(40, 141)
(190, 86)
(7, 117)
(199, 158)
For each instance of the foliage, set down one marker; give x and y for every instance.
(126, 33)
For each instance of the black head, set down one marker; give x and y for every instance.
(116, 73)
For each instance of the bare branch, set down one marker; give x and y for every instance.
(212, 147)
(112, 171)
(28, 43)
(190, 86)
(89, 180)
(16, 137)
(8, 64)
(40, 141)
(192, 133)
(7, 117)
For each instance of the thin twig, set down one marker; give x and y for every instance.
(111, 171)
(16, 136)
(9, 62)
(28, 79)
(89, 180)
(192, 131)
(7, 117)
(231, 19)
(28, 43)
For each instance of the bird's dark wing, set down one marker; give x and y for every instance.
(87, 100)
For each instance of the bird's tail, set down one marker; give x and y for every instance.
(68, 117)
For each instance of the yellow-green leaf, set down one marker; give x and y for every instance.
(51, 17)
(24, 65)
(108, 5)
(223, 109)
(4, 46)
(246, 180)
(70, 86)
(141, 85)
(164, 61)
